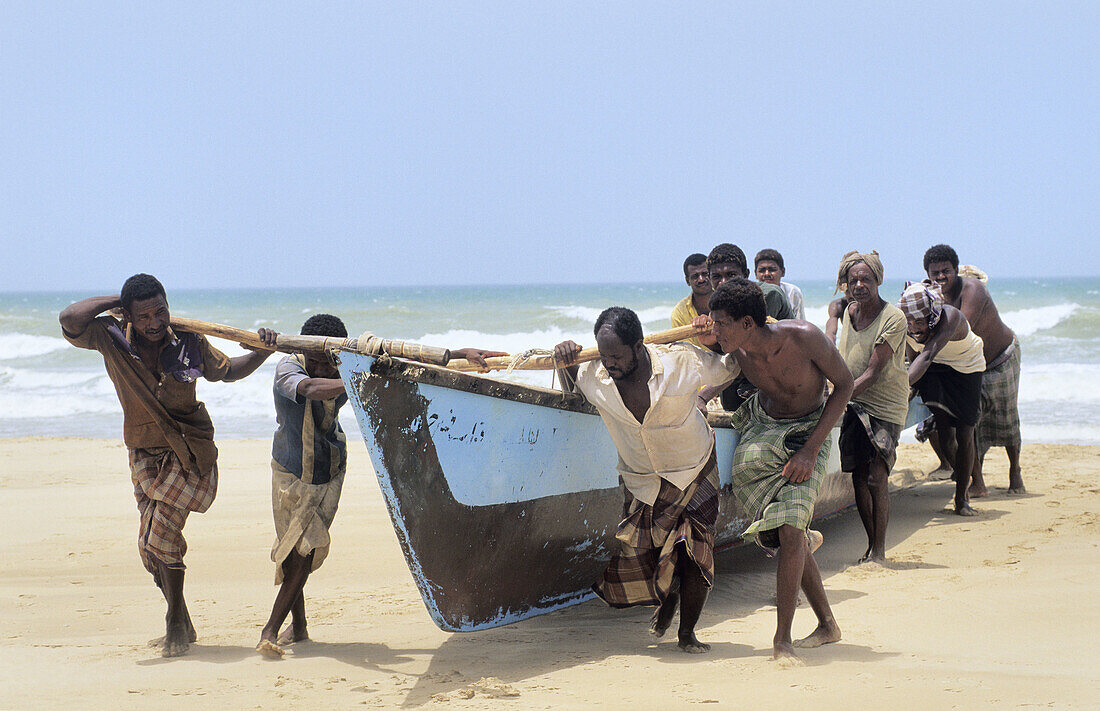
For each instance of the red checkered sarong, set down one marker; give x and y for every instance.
(166, 493)
(642, 572)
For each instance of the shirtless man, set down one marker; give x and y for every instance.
(999, 423)
(789, 362)
(945, 367)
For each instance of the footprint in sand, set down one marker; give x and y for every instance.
(489, 687)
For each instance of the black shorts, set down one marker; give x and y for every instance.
(958, 394)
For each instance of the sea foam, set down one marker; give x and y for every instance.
(25, 345)
(1025, 322)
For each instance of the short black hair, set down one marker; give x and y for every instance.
(740, 298)
(727, 253)
(623, 322)
(140, 287)
(694, 260)
(769, 254)
(941, 253)
(324, 325)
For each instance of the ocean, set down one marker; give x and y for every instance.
(49, 388)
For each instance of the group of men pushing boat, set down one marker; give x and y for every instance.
(770, 367)
(752, 350)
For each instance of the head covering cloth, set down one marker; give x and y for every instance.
(922, 299)
(969, 270)
(853, 258)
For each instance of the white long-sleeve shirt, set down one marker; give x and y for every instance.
(673, 441)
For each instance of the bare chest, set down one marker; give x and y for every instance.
(635, 397)
(790, 384)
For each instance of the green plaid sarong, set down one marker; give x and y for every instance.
(764, 447)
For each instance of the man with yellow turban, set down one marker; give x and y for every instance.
(872, 335)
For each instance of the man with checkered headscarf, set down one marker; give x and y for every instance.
(945, 367)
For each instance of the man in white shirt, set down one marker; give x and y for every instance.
(770, 270)
(648, 397)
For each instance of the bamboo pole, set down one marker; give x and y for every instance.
(289, 343)
(546, 362)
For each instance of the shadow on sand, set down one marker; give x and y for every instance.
(590, 632)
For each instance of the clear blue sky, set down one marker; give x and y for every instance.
(256, 144)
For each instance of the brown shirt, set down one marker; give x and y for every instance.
(160, 408)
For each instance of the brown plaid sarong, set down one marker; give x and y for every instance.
(864, 437)
(165, 494)
(999, 422)
(642, 572)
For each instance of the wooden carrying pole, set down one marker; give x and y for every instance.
(546, 362)
(287, 343)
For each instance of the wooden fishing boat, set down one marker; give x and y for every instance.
(504, 496)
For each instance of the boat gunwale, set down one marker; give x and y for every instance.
(426, 374)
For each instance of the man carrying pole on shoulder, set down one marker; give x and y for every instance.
(173, 459)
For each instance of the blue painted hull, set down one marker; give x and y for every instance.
(505, 498)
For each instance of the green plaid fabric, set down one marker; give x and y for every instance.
(999, 423)
(765, 446)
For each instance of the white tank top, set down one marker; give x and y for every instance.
(965, 356)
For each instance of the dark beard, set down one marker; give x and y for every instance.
(626, 373)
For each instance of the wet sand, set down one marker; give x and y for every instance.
(997, 611)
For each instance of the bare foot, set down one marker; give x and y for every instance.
(871, 556)
(175, 642)
(941, 473)
(965, 510)
(662, 618)
(289, 636)
(691, 645)
(815, 539)
(783, 652)
(824, 634)
(191, 636)
(269, 649)
(977, 492)
(1016, 483)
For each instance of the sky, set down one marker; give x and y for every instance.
(401, 143)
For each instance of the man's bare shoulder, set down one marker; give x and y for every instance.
(801, 330)
(803, 335)
(973, 292)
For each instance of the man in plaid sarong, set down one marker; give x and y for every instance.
(173, 460)
(999, 424)
(648, 397)
(783, 448)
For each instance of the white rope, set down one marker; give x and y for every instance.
(522, 358)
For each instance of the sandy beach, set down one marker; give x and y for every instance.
(997, 611)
